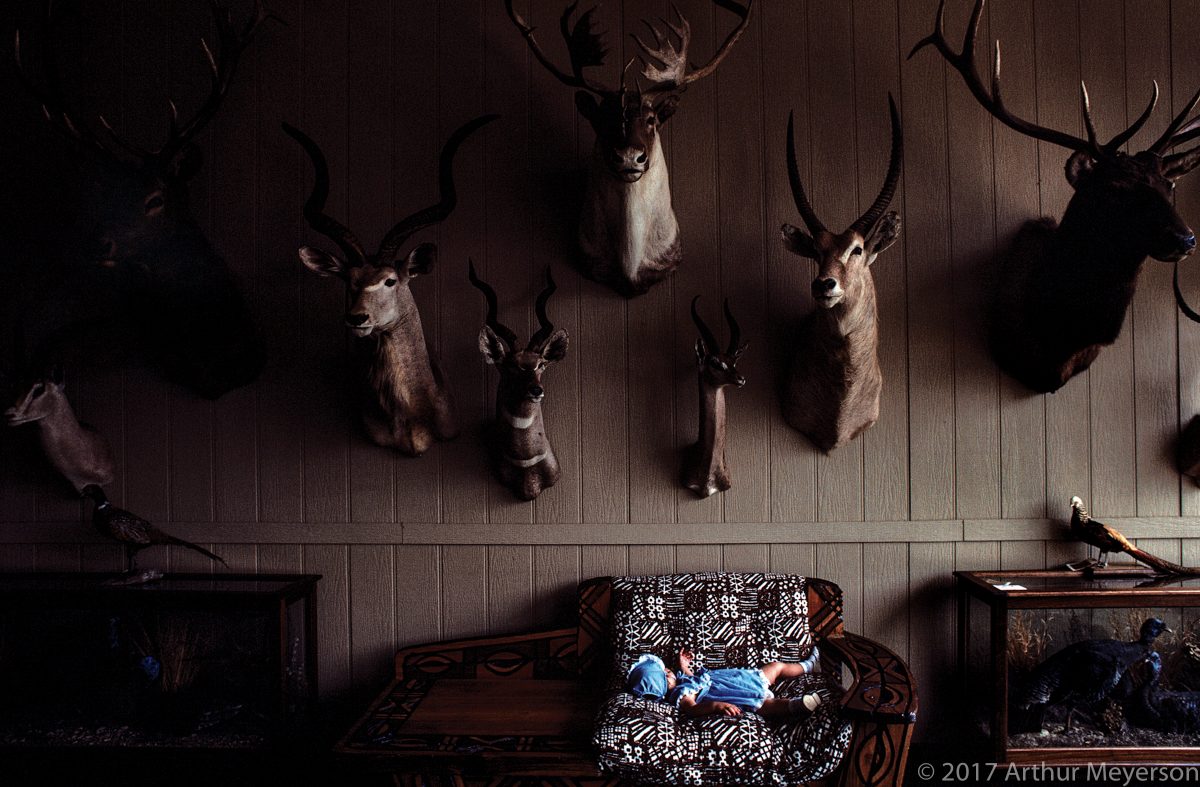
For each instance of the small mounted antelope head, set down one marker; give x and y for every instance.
(704, 469)
(79, 453)
(832, 394)
(405, 404)
(521, 454)
(628, 232)
(1066, 286)
(135, 223)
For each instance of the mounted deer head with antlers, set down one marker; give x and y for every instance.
(1065, 287)
(628, 232)
(832, 394)
(405, 403)
(521, 454)
(705, 471)
(135, 224)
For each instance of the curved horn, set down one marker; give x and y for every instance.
(735, 330)
(895, 164)
(448, 197)
(1168, 139)
(706, 336)
(489, 295)
(314, 207)
(547, 327)
(1116, 142)
(806, 212)
(1188, 311)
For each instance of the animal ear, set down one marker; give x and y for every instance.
(799, 242)
(186, 163)
(421, 259)
(738, 352)
(57, 375)
(321, 263)
(555, 348)
(885, 232)
(494, 349)
(665, 108)
(586, 103)
(1078, 165)
(1181, 164)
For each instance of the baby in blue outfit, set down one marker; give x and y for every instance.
(729, 691)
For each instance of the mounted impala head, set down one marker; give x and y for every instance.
(625, 119)
(1127, 194)
(843, 259)
(134, 221)
(377, 285)
(521, 454)
(718, 369)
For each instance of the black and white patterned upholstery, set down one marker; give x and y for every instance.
(727, 620)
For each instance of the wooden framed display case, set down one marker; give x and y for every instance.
(1010, 622)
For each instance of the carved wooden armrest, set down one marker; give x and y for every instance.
(883, 689)
(542, 654)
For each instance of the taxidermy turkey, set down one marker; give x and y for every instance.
(1084, 673)
(1157, 708)
(1108, 539)
(134, 532)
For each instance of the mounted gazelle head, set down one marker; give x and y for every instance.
(520, 370)
(134, 221)
(378, 297)
(718, 369)
(843, 259)
(626, 120)
(1126, 195)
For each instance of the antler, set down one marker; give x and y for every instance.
(1178, 132)
(868, 219)
(584, 44)
(801, 199)
(314, 207)
(674, 74)
(489, 295)
(546, 327)
(448, 197)
(706, 335)
(993, 101)
(735, 331)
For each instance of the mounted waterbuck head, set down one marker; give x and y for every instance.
(628, 232)
(704, 468)
(405, 404)
(521, 454)
(134, 223)
(1065, 288)
(832, 393)
(79, 453)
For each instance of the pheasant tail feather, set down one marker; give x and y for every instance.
(196, 547)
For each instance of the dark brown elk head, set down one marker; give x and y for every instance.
(520, 369)
(134, 226)
(718, 369)
(1125, 198)
(843, 259)
(626, 120)
(377, 285)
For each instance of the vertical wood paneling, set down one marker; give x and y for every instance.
(418, 594)
(698, 557)
(1185, 66)
(657, 559)
(604, 561)
(372, 613)
(510, 588)
(18, 557)
(794, 559)
(332, 562)
(555, 577)
(931, 611)
(885, 615)
(843, 564)
(464, 586)
(745, 557)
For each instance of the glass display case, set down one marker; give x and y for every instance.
(208, 661)
(1065, 667)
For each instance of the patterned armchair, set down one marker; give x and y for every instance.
(541, 726)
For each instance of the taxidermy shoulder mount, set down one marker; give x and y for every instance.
(704, 469)
(405, 404)
(628, 232)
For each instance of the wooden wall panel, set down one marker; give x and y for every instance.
(971, 469)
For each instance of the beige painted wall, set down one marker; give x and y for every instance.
(963, 470)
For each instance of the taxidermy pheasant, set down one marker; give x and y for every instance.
(1108, 539)
(134, 532)
(1086, 672)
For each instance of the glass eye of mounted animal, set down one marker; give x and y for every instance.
(628, 232)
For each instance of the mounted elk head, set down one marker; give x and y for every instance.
(704, 469)
(79, 453)
(628, 232)
(521, 454)
(1065, 287)
(405, 404)
(832, 393)
(135, 224)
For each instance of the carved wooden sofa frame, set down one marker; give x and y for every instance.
(880, 701)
